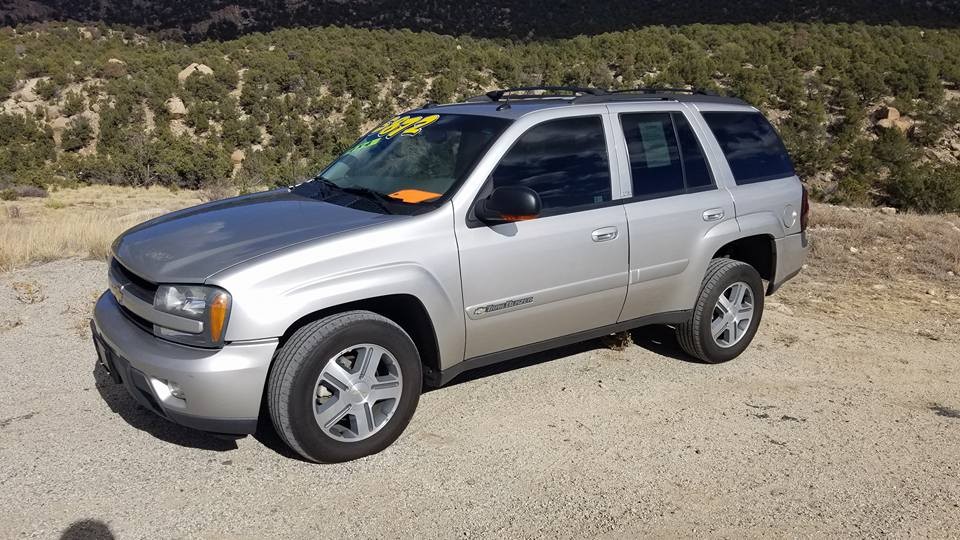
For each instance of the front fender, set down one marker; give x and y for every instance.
(417, 257)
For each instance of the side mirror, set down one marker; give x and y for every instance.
(508, 204)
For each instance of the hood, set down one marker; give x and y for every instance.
(189, 246)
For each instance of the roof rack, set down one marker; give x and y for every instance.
(497, 95)
(582, 95)
(694, 95)
(654, 90)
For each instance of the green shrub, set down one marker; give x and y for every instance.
(205, 87)
(8, 81)
(46, 89)
(73, 104)
(442, 89)
(78, 135)
(925, 189)
(25, 146)
(8, 195)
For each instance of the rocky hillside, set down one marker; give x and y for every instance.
(226, 19)
(871, 114)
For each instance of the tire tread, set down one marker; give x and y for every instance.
(292, 355)
(687, 331)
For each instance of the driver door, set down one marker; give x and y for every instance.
(562, 272)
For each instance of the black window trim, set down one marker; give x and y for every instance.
(683, 166)
(703, 154)
(712, 186)
(473, 222)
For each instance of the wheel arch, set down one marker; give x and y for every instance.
(758, 250)
(404, 309)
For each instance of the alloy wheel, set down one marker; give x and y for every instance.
(357, 392)
(732, 315)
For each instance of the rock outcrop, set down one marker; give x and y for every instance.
(186, 72)
(175, 107)
(890, 118)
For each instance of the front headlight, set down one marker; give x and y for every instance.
(209, 305)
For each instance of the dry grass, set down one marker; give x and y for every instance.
(868, 269)
(859, 243)
(78, 222)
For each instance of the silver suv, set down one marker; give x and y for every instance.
(449, 238)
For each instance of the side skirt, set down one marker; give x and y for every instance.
(440, 378)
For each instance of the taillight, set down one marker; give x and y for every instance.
(804, 210)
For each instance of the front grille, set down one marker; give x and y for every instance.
(143, 288)
(137, 320)
(135, 285)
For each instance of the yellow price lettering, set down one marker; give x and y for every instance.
(405, 125)
(420, 124)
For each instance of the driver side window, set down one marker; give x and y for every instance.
(565, 161)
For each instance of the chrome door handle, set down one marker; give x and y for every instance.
(604, 234)
(713, 214)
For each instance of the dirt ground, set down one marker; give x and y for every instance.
(842, 418)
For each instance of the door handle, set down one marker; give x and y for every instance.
(604, 234)
(713, 214)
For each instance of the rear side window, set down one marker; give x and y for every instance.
(665, 157)
(565, 161)
(753, 148)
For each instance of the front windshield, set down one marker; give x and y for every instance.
(414, 159)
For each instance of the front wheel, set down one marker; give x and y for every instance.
(727, 313)
(344, 387)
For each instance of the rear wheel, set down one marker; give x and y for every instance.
(344, 387)
(727, 313)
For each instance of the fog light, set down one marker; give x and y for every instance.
(175, 390)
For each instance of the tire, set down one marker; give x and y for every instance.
(327, 348)
(723, 276)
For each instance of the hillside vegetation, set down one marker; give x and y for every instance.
(871, 113)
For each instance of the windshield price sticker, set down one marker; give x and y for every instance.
(405, 125)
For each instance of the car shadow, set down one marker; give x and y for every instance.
(662, 339)
(123, 405)
(267, 435)
(658, 339)
(520, 363)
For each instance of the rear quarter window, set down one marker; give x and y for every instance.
(752, 147)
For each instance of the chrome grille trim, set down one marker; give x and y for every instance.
(139, 301)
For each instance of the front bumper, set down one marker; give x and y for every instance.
(222, 388)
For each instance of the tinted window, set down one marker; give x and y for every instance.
(654, 157)
(665, 156)
(565, 161)
(752, 146)
(695, 167)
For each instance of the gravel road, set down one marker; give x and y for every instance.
(832, 423)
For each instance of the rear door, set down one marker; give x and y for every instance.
(673, 206)
(562, 272)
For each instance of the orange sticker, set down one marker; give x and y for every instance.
(414, 195)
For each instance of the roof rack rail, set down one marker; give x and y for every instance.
(497, 95)
(654, 90)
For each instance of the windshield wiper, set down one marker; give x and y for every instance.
(381, 200)
(323, 188)
(317, 187)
